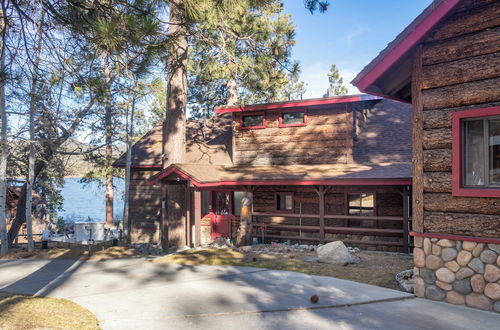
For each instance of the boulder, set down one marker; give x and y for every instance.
(334, 253)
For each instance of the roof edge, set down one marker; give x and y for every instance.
(408, 39)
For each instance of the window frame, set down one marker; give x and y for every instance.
(458, 174)
(263, 125)
(280, 118)
(283, 193)
(374, 193)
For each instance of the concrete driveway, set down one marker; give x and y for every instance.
(138, 294)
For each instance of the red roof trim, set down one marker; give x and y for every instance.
(339, 182)
(301, 103)
(458, 237)
(412, 39)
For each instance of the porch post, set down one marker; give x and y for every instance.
(405, 219)
(188, 216)
(321, 194)
(197, 218)
(164, 218)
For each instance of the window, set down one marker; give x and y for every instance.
(252, 121)
(476, 152)
(284, 202)
(205, 202)
(361, 204)
(293, 118)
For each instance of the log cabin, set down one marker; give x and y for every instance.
(447, 64)
(318, 170)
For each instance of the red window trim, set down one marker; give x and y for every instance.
(286, 193)
(263, 113)
(457, 166)
(281, 113)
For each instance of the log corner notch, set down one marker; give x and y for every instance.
(321, 191)
(244, 236)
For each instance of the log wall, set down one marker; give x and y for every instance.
(327, 138)
(145, 207)
(460, 70)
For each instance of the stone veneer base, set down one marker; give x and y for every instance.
(458, 272)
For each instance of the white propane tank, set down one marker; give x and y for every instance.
(89, 231)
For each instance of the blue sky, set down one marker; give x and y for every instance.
(350, 34)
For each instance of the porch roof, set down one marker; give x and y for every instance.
(323, 174)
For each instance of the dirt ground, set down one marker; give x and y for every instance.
(371, 267)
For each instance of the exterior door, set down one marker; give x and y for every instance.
(222, 216)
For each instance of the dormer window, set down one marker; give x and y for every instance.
(293, 118)
(253, 121)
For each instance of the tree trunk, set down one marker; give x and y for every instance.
(174, 129)
(3, 144)
(32, 115)
(108, 135)
(245, 230)
(128, 165)
(232, 93)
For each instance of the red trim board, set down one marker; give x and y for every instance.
(457, 237)
(457, 152)
(296, 104)
(406, 44)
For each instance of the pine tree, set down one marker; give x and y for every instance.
(336, 83)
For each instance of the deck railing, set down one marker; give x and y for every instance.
(265, 227)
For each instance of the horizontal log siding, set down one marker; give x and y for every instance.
(461, 71)
(145, 204)
(327, 138)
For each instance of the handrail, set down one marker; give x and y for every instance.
(327, 216)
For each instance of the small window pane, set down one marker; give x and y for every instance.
(284, 202)
(354, 204)
(253, 120)
(361, 204)
(291, 118)
(474, 152)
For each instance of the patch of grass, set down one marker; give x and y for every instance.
(374, 268)
(75, 252)
(28, 312)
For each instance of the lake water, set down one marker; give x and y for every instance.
(84, 201)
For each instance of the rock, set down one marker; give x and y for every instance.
(491, 273)
(477, 265)
(459, 245)
(246, 248)
(444, 286)
(434, 240)
(446, 243)
(334, 253)
(405, 280)
(464, 257)
(464, 272)
(477, 250)
(496, 306)
(478, 300)
(433, 262)
(477, 283)
(449, 254)
(498, 261)
(452, 265)
(455, 298)
(418, 241)
(445, 275)
(492, 290)
(416, 271)
(428, 275)
(427, 246)
(469, 246)
(462, 286)
(494, 247)
(419, 287)
(419, 257)
(219, 241)
(488, 257)
(434, 293)
(436, 250)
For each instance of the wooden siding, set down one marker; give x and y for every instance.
(460, 66)
(327, 138)
(145, 203)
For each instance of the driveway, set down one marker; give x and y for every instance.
(135, 293)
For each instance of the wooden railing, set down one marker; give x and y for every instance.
(264, 227)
